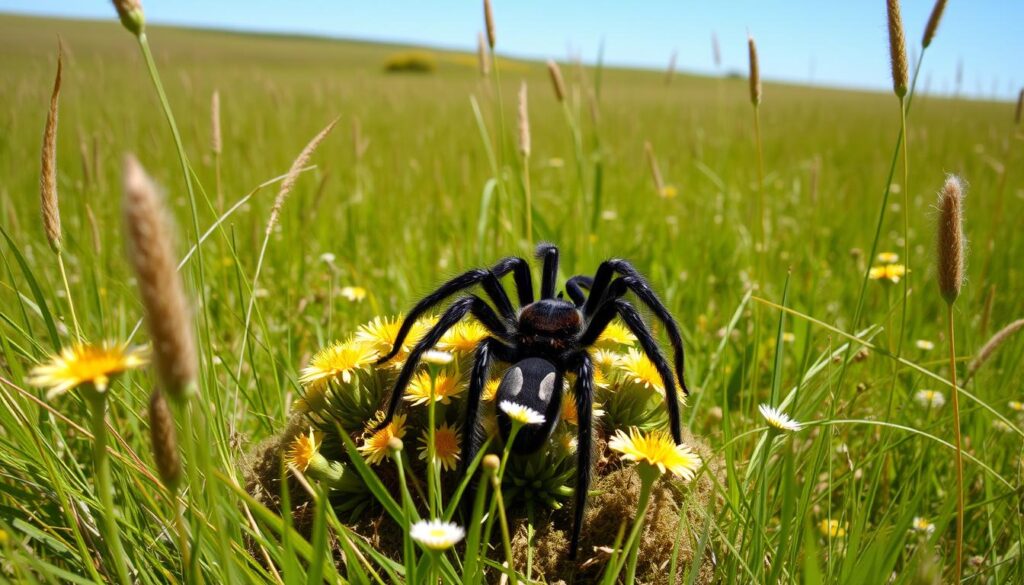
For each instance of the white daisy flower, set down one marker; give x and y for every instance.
(521, 414)
(437, 358)
(436, 535)
(929, 398)
(923, 525)
(778, 419)
(924, 344)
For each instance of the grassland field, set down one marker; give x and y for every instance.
(400, 196)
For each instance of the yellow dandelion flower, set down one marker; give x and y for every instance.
(446, 446)
(339, 359)
(569, 412)
(354, 294)
(888, 257)
(491, 390)
(888, 272)
(832, 528)
(669, 192)
(303, 449)
(463, 337)
(375, 446)
(446, 386)
(614, 335)
(605, 359)
(85, 363)
(658, 449)
(637, 368)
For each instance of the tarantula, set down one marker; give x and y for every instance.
(542, 341)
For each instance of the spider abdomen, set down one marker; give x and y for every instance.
(537, 384)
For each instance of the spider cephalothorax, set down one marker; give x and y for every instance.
(541, 342)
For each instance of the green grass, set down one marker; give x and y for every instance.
(409, 212)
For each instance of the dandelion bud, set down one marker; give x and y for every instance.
(951, 239)
(491, 462)
(164, 441)
(395, 444)
(755, 72)
(897, 48)
(132, 17)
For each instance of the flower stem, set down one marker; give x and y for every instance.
(959, 448)
(648, 473)
(105, 487)
(67, 291)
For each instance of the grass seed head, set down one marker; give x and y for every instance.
(933, 23)
(48, 168)
(151, 254)
(131, 14)
(951, 239)
(755, 72)
(215, 121)
(482, 55)
(992, 345)
(293, 173)
(524, 122)
(556, 80)
(489, 22)
(716, 50)
(1020, 106)
(897, 48)
(164, 440)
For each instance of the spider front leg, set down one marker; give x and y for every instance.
(635, 323)
(604, 289)
(488, 350)
(455, 313)
(584, 444)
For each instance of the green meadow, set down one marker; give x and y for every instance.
(422, 178)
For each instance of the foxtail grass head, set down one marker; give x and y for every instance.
(489, 23)
(951, 239)
(164, 441)
(151, 254)
(1020, 108)
(217, 142)
(131, 15)
(933, 23)
(557, 83)
(482, 55)
(48, 167)
(897, 48)
(755, 72)
(524, 122)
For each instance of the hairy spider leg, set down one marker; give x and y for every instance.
(575, 286)
(636, 283)
(549, 253)
(490, 349)
(483, 276)
(455, 313)
(635, 323)
(520, 269)
(584, 443)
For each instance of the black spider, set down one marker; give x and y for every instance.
(542, 341)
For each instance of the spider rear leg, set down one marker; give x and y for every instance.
(574, 288)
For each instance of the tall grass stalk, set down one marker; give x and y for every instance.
(105, 486)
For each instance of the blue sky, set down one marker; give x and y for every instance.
(841, 43)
